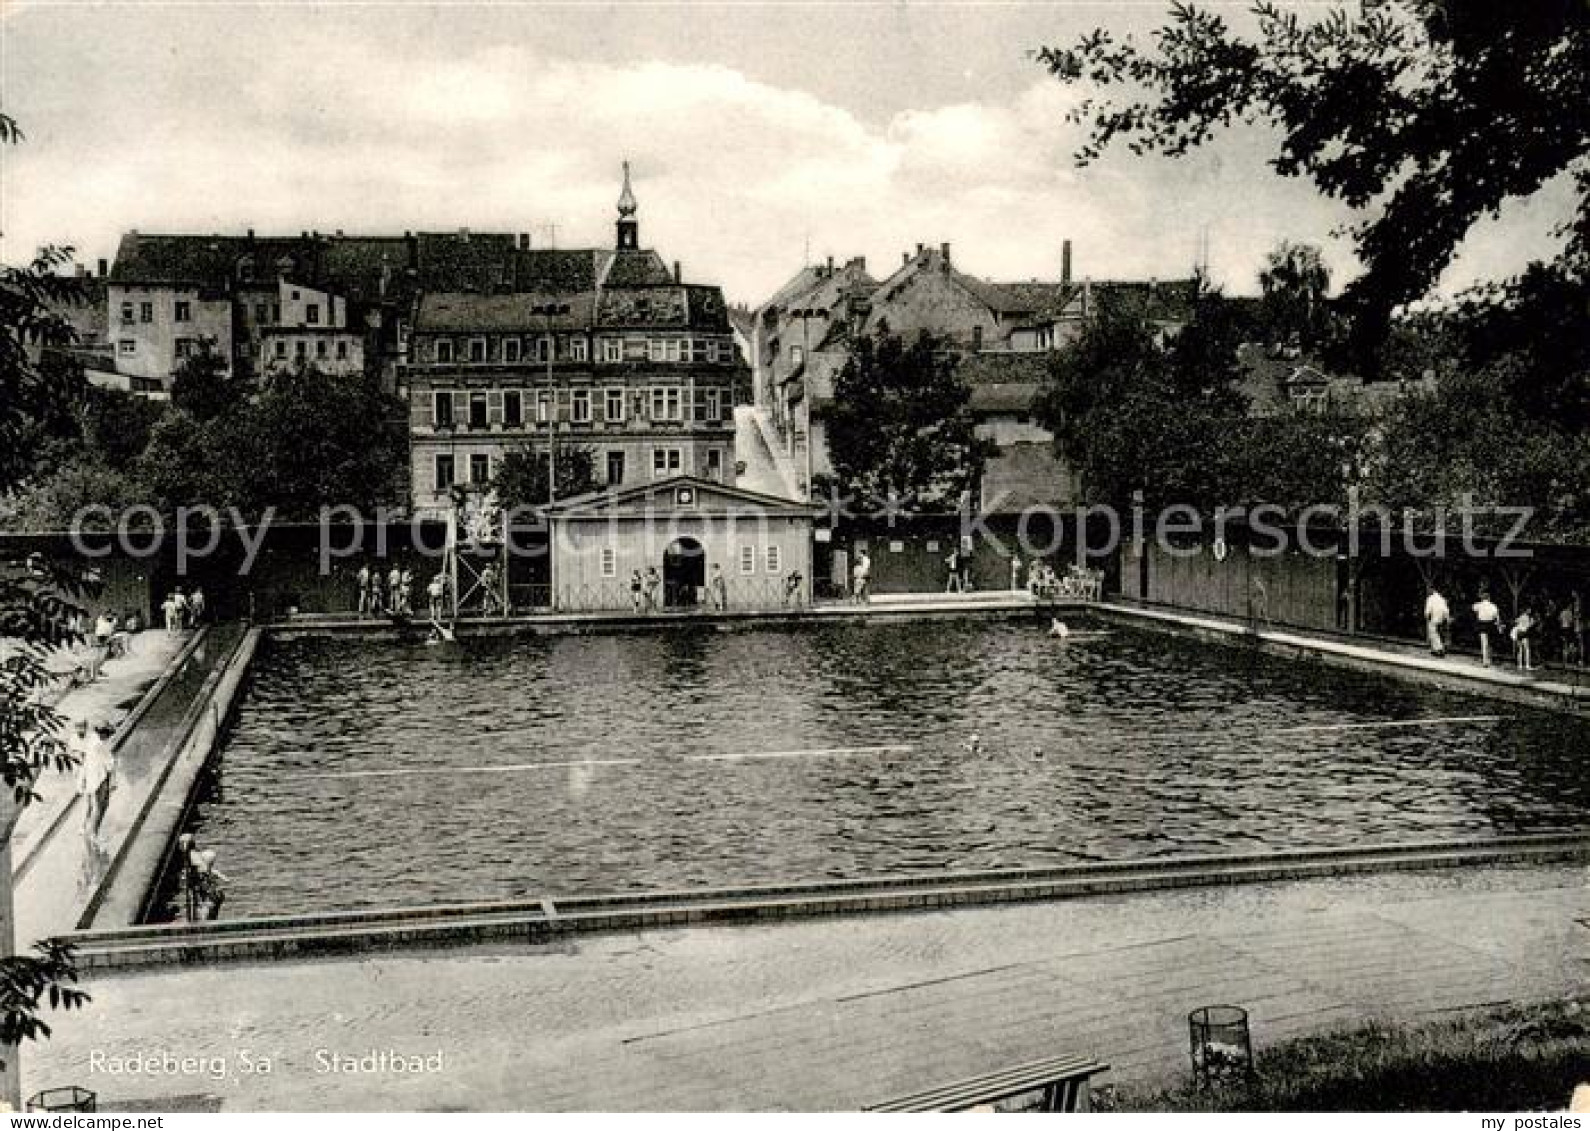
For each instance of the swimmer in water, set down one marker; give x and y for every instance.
(439, 635)
(973, 745)
(1058, 629)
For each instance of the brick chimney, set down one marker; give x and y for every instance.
(679, 274)
(104, 268)
(944, 254)
(1065, 262)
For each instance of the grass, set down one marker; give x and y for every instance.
(1524, 1058)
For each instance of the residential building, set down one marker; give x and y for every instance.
(1002, 334)
(609, 349)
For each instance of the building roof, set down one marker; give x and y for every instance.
(662, 491)
(634, 269)
(1027, 475)
(460, 312)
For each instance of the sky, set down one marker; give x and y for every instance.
(762, 136)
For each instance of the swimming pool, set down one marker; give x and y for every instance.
(369, 774)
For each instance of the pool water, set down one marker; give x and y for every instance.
(364, 774)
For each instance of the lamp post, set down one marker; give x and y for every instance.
(806, 390)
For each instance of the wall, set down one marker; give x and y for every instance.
(639, 544)
(154, 342)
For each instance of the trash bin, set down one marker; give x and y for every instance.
(1222, 1050)
(64, 1099)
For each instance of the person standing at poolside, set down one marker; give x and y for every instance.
(182, 607)
(168, 609)
(405, 601)
(952, 581)
(653, 583)
(96, 774)
(1015, 573)
(861, 577)
(1489, 619)
(394, 590)
(435, 591)
(196, 607)
(718, 589)
(1523, 650)
(488, 589)
(1437, 614)
(635, 586)
(364, 589)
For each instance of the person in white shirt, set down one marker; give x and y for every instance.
(1490, 625)
(1437, 614)
(96, 775)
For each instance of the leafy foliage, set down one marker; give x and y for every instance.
(523, 476)
(1424, 114)
(35, 597)
(1165, 421)
(900, 429)
(202, 387)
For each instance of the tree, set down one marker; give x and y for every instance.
(1423, 115)
(1143, 417)
(900, 429)
(523, 475)
(1295, 283)
(116, 425)
(35, 608)
(203, 386)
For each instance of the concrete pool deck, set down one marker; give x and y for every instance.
(1553, 688)
(827, 1014)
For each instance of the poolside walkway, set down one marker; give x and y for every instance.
(56, 867)
(827, 1014)
(1553, 687)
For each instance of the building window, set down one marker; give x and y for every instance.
(261, 313)
(714, 407)
(796, 355)
(609, 562)
(511, 348)
(580, 406)
(480, 467)
(320, 348)
(312, 314)
(724, 352)
(184, 347)
(655, 349)
(577, 348)
(747, 559)
(635, 349)
(775, 559)
(613, 405)
(615, 468)
(477, 410)
(513, 408)
(543, 408)
(444, 472)
(665, 403)
(126, 347)
(612, 349)
(301, 349)
(276, 312)
(126, 314)
(342, 351)
(715, 464)
(183, 312)
(281, 348)
(444, 350)
(477, 349)
(666, 461)
(977, 337)
(442, 409)
(146, 312)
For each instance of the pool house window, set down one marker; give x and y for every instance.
(748, 559)
(775, 559)
(609, 562)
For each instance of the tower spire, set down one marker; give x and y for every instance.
(628, 226)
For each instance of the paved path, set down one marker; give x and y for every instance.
(56, 864)
(764, 471)
(832, 1014)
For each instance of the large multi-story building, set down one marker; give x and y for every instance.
(607, 349)
(1002, 334)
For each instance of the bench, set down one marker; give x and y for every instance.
(1062, 1080)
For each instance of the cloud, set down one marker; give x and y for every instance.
(736, 176)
